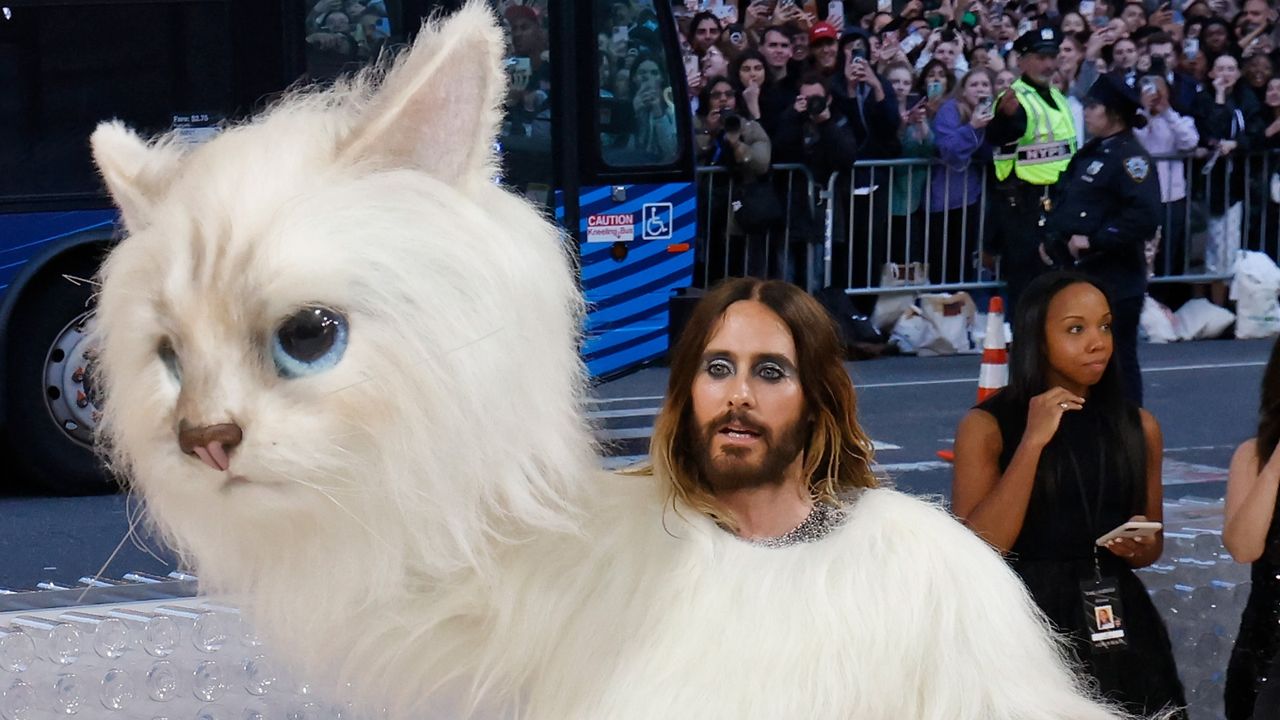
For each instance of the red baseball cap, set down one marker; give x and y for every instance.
(823, 31)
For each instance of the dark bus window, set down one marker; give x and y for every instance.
(636, 108)
(66, 67)
(342, 36)
(525, 140)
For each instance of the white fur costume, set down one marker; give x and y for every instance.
(429, 512)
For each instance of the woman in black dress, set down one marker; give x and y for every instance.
(1053, 462)
(1252, 535)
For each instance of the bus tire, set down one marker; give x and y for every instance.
(47, 456)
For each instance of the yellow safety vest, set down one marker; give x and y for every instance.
(1046, 147)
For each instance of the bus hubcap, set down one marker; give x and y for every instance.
(69, 390)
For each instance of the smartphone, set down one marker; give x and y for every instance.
(1191, 48)
(835, 8)
(1086, 8)
(621, 34)
(914, 99)
(691, 64)
(985, 103)
(1131, 529)
(519, 64)
(881, 6)
(1025, 26)
(1149, 86)
(911, 42)
(935, 89)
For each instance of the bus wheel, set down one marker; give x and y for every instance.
(51, 396)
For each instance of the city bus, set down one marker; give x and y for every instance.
(598, 133)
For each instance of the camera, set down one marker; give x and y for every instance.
(732, 121)
(816, 104)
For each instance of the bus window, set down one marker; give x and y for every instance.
(636, 108)
(343, 36)
(65, 67)
(525, 140)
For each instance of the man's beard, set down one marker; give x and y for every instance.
(733, 468)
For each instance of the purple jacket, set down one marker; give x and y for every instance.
(965, 156)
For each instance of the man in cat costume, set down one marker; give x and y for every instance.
(340, 368)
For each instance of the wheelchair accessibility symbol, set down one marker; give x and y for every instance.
(656, 221)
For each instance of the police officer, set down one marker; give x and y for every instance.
(1035, 138)
(1107, 207)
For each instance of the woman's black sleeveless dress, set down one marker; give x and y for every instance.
(1253, 665)
(1054, 554)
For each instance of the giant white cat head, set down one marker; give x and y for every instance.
(435, 407)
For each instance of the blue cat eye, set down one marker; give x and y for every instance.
(310, 341)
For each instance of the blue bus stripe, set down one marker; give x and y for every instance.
(680, 278)
(630, 269)
(649, 313)
(627, 344)
(613, 363)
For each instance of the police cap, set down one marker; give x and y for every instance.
(1042, 41)
(1114, 94)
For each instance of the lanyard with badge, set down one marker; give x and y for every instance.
(1100, 594)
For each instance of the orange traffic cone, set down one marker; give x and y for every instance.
(994, 373)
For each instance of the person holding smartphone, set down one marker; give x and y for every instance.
(960, 130)
(1053, 462)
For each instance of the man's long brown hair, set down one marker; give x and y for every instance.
(837, 454)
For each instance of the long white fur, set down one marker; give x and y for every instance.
(429, 513)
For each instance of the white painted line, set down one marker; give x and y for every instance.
(639, 398)
(971, 380)
(908, 467)
(1213, 366)
(626, 413)
(624, 434)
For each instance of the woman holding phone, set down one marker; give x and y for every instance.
(1055, 461)
(955, 194)
(1251, 533)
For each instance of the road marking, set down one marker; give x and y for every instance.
(1214, 366)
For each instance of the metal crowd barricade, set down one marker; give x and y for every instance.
(862, 226)
(780, 252)
(1228, 206)
(889, 218)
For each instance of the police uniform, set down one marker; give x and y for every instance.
(1110, 194)
(1033, 147)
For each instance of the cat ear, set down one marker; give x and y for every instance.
(135, 173)
(439, 108)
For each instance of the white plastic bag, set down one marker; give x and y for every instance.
(1158, 322)
(1202, 320)
(953, 315)
(1254, 288)
(913, 331)
(891, 305)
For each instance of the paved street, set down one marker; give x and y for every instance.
(1205, 395)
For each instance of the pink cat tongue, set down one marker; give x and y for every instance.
(213, 455)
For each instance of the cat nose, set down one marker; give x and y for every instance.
(211, 443)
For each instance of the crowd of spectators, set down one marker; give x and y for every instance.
(826, 83)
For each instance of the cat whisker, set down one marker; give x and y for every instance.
(366, 379)
(135, 520)
(339, 505)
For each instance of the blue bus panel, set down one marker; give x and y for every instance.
(634, 253)
(24, 236)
